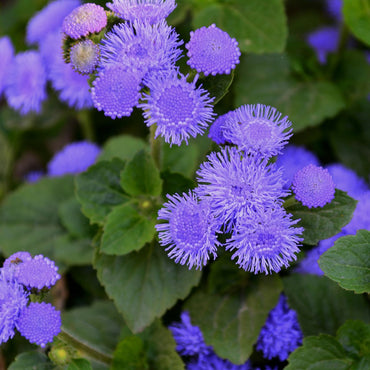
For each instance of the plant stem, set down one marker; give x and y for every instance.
(290, 202)
(155, 146)
(84, 120)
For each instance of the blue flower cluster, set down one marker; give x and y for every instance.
(20, 277)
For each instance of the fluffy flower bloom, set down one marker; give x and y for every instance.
(191, 231)
(265, 240)
(38, 272)
(347, 180)
(334, 8)
(216, 131)
(189, 338)
(361, 215)
(149, 11)
(116, 91)
(74, 158)
(235, 185)
(325, 40)
(39, 323)
(15, 259)
(87, 18)
(258, 129)
(13, 299)
(84, 56)
(141, 46)
(292, 159)
(281, 333)
(178, 108)
(49, 19)
(26, 83)
(7, 54)
(313, 186)
(212, 51)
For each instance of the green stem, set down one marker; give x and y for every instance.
(290, 202)
(343, 40)
(85, 348)
(84, 120)
(155, 146)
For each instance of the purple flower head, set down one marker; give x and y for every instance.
(216, 131)
(149, 11)
(116, 91)
(258, 129)
(26, 83)
(33, 176)
(281, 333)
(87, 18)
(49, 19)
(235, 184)
(334, 8)
(212, 51)
(293, 159)
(178, 108)
(7, 54)
(347, 180)
(325, 40)
(361, 215)
(38, 272)
(39, 323)
(141, 46)
(15, 259)
(313, 186)
(13, 299)
(265, 240)
(189, 338)
(84, 56)
(74, 158)
(51, 50)
(213, 362)
(191, 231)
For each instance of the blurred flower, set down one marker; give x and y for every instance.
(361, 215)
(84, 56)
(213, 362)
(33, 176)
(216, 131)
(334, 8)
(7, 55)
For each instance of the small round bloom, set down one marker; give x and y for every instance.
(16, 258)
(313, 186)
(212, 51)
(87, 18)
(141, 46)
(149, 11)
(191, 231)
(26, 83)
(38, 272)
(49, 19)
(281, 333)
(74, 158)
(84, 56)
(292, 159)
(216, 131)
(325, 40)
(265, 240)
(7, 54)
(189, 338)
(258, 129)
(235, 184)
(39, 323)
(116, 91)
(178, 108)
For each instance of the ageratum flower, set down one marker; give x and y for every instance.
(84, 56)
(236, 184)
(49, 19)
(313, 186)
(141, 46)
(26, 83)
(258, 129)
(216, 131)
(265, 240)
(149, 11)
(334, 8)
(39, 323)
(7, 54)
(15, 259)
(116, 91)
(178, 108)
(190, 233)
(74, 158)
(281, 333)
(212, 51)
(87, 18)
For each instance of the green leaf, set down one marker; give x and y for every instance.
(79, 364)
(269, 80)
(217, 86)
(258, 25)
(175, 183)
(231, 321)
(348, 262)
(324, 222)
(144, 284)
(31, 360)
(357, 17)
(98, 189)
(141, 176)
(72, 251)
(322, 306)
(127, 230)
(355, 337)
